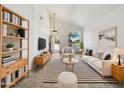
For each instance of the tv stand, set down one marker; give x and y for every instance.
(42, 59)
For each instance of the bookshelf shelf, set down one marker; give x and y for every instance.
(13, 62)
(3, 72)
(14, 37)
(16, 50)
(14, 25)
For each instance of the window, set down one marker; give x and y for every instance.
(74, 39)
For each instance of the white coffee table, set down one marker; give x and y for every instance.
(72, 63)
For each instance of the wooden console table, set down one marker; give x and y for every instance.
(40, 60)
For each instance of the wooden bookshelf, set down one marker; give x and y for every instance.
(13, 21)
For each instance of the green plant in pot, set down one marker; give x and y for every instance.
(10, 46)
(81, 46)
(70, 58)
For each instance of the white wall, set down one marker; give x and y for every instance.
(38, 27)
(65, 29)
(114, 18)
(41, 26)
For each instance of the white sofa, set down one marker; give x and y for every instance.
(104, 67)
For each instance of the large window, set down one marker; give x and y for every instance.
(74, 39)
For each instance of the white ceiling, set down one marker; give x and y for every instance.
(80, 14)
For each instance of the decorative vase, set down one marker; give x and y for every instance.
(10, 49)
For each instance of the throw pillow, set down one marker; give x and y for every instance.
(114, 57)
(87, 52)
(68, 50)
(107, 57)
(90, 52)
(99, 55)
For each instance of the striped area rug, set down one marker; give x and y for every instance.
(82, 70)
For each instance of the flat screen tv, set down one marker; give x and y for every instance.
(41, 43)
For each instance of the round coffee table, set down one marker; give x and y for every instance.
(72, 63)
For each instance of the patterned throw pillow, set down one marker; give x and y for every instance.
(89, 52)
(99, 55)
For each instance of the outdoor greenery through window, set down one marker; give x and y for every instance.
(74, 39)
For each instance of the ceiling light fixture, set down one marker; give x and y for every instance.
(54, 24)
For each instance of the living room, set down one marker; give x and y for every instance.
(86, 28)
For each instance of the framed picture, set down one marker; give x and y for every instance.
(108, 38)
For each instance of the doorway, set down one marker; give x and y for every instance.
(55, 42)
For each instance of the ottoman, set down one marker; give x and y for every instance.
(67, 80)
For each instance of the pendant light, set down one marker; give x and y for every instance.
(54, 22)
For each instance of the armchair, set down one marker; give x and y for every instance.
(66, 51)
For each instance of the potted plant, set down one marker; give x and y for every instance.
(10, 46)
(70, 57)
(81, 46)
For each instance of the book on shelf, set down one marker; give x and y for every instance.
(13, 77)
(6, 16)
(3, 82)
(6, 81)
(7, 59)
(17, 74)
(9, 17)
(8, 63)
(0, 84)
(25, 68)
(4, 29)
(16, 20)
(24, 24)
(20, 71)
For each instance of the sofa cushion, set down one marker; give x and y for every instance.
(87, 52)
(91, 58)
(107, 57)
(99, 55)
(68, 50)
(94, 62)
(90, 52)
(97, 64)
(114, 57)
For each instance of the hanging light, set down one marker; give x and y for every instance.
(54, 28)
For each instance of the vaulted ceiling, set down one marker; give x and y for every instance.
(80, 14)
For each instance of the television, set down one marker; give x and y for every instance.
(41, 43)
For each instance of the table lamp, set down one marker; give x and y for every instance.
(119, 52)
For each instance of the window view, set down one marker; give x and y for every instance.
(74, 39)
